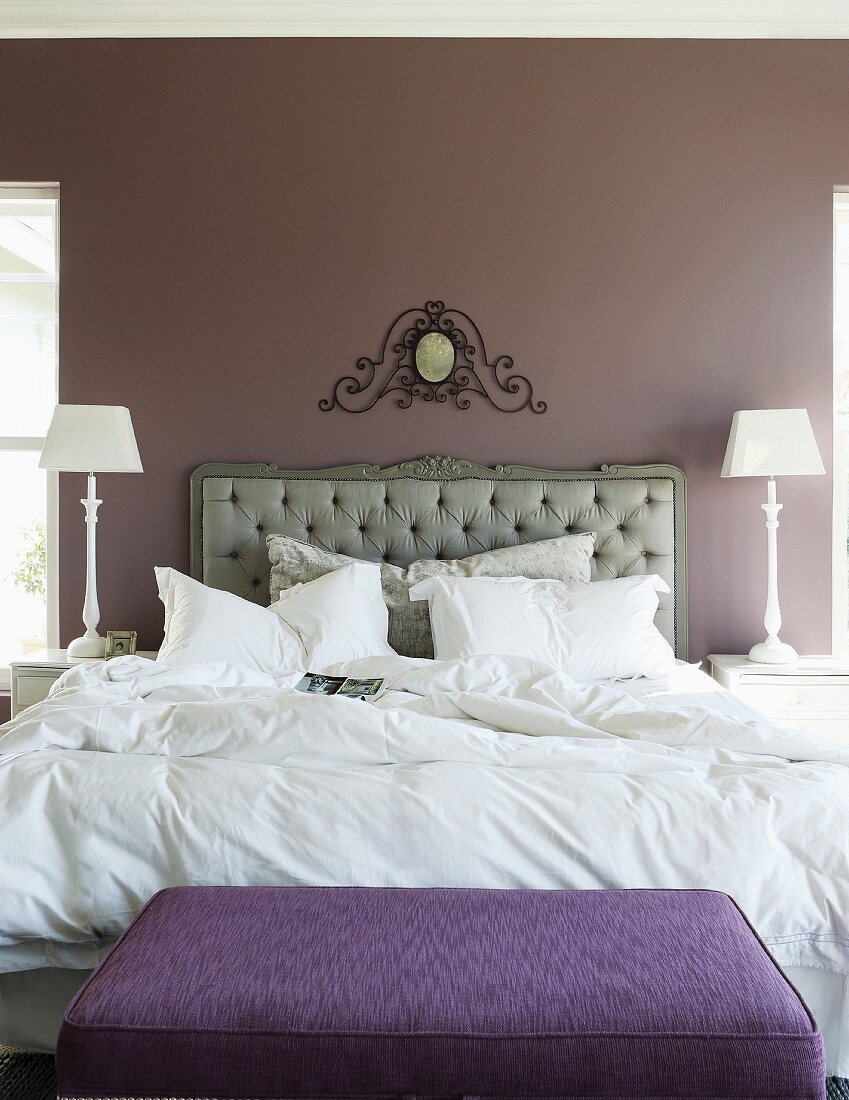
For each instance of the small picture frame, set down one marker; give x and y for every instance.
(120, 642)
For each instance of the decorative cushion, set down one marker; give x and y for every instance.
(303, 992)
(566, 558)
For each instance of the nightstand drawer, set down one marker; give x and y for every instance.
(784, 698)
(832, 729)
(31, 687)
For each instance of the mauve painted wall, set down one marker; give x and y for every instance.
(644, 226)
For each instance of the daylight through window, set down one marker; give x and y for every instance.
(29, 316)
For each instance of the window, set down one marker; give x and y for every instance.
(29, 304)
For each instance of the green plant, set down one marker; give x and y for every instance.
(32, 561)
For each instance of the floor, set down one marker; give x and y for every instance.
(32, 1077)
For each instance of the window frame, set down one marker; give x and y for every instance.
(34, 443)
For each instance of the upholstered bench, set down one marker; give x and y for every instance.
(297, 992)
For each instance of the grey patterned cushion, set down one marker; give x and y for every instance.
(566, 558)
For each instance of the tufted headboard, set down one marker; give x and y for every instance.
(440, 508)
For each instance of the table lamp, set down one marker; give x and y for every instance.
(91, 439)
(771, 443)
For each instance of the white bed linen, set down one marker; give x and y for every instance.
(588, 631)
(490, 772)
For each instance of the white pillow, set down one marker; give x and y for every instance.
(338, 617)
(595, 631)
(203, 624)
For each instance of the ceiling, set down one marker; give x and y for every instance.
(417, 18)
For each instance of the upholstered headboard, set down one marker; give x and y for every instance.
(440, 508)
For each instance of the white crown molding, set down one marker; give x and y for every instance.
(417, 19)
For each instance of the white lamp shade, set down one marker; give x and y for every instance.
(771, 443)
(92, 439)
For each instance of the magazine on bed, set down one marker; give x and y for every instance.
(348, 687)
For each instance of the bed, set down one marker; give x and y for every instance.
(476, 808)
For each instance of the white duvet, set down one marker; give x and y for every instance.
(489, 772)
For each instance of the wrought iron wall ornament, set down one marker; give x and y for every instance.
(435, 354)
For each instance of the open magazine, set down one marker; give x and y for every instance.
(347, 686)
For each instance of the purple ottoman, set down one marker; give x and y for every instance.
(272, 993)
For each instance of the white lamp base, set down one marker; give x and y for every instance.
(87, 647)
(773, 652)
(91, 644)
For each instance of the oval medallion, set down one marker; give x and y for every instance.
(434, 356)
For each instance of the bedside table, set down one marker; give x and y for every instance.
(811, 695)
(32, 675)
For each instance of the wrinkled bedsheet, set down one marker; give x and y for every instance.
(486, 772)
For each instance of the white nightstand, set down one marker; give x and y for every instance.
(811, 695)
(32, 675)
